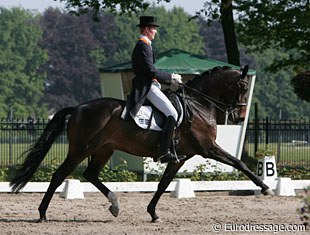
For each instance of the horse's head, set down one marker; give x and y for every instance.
(234, 95)
(223, 87)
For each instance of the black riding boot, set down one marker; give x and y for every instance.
(166, 141)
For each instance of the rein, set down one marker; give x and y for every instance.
(218, 104)
(211, 100)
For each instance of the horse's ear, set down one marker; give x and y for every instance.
(245, 71)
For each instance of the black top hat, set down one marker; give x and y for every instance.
(148, 21)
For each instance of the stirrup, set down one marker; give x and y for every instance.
(172, 158)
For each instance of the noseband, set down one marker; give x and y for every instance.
(242, 87)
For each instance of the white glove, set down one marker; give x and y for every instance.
(176, 79)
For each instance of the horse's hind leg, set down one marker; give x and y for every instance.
(98, 160)
(61, 173)
(166, 179)
(217, 153)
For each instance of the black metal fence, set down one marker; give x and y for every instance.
(16, 136)
(289, 140)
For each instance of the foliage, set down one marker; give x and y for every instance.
(264, 152)
(120, 174)
(107, 36)
(281, 25)
(4, 174)
(154, 174)
(213, 39)
(200, 174)
(274, 95)
(223, 11)
(276, 25)
(272, 91)
(296, 173)
(84, 6)
(72, 75)
(178, 34)
(20, 57)
(77, 46)
(45, 173)
(301, 84)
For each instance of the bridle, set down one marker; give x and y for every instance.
(227, 109)
(242, 87)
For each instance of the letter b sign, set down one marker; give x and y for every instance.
(266, 168)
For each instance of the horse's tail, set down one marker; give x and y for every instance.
(37, 152)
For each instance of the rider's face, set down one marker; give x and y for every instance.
(150, 32)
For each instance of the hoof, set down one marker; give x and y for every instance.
(42, 219)
(268, 192)
(114, 210)
(158, 220)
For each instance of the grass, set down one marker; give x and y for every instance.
(11, 154)
(288, 152)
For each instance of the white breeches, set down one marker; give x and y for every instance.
(160, 101)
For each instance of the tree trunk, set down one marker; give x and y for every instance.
(228, 26)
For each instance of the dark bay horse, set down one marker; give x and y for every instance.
(96, 129)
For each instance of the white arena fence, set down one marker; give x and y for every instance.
(41, 187)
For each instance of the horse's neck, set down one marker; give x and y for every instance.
(209, 88)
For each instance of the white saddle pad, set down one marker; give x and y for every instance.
(143, 119)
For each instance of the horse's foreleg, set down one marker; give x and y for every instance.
(167, 177)
(96, 164)
(58, 177)
(218, 154)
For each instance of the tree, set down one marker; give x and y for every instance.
(224, 6)
(20, 57)
(264, 24)
(179, 33)
(276, 20)
(281, 25)
(72, 73)
(78, 46)
(176, 31)
(275, 98)
(301, 84)
(84, 6)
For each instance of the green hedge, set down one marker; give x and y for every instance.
(121, 174)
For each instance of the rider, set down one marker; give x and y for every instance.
(146, 85)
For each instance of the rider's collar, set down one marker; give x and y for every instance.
(145, 39)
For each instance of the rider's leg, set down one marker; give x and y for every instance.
(166, 139)
(162, 103)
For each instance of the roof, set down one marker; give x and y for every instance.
(176, 61)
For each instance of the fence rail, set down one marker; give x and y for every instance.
(289, 140)
(16, 136)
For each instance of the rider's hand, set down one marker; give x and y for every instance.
(176, 79)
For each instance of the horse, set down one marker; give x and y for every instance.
(95, 129)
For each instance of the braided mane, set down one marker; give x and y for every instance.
(207, 75)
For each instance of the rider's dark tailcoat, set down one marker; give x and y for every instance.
(143, 61)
